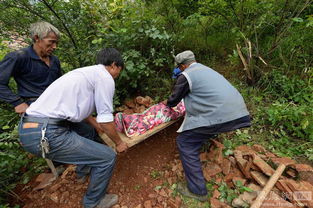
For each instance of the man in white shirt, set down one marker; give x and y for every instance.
(46, 129)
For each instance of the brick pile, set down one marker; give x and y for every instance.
(136, 105)
(253, 166)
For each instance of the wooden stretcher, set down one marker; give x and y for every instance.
(131, 141)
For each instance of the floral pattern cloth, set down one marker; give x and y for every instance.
(138, 123)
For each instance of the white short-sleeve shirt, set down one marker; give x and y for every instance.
(76, 95)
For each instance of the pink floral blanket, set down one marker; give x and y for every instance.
(138, 123)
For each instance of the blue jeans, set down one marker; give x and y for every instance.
(189, 144)
(68, 146)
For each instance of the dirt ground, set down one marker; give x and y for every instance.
(142, 178)
(145, 177)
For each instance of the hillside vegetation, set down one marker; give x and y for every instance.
(263, 47)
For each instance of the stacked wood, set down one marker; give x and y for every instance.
(135, 105)
(274, 180)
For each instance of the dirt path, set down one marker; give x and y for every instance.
(137, 174)
(145, 177)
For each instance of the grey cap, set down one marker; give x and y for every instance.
(185, 57)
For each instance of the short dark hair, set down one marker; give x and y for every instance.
(107, 56)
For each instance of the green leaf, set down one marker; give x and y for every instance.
(304, 123)
(228, 152)
(297, 19)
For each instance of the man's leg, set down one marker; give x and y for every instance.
(84, 129)
(69, 147)
(189, 145)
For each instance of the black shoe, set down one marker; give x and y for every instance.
(108, 201)
(183, 190)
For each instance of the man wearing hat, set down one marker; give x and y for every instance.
(213, 106)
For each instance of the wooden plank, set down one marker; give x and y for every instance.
(131, 141)
(268, 187)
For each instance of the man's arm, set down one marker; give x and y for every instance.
(109, 129)
(180, 90)
(93, 122)
(21, 108)
(7, 66)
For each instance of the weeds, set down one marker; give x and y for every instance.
(155, 174)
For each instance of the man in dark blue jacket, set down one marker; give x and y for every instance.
(34, 68)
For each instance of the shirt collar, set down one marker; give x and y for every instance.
(32, 52)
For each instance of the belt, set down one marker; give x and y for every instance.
(53, 121)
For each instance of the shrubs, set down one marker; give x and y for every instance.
(292, 111)
(292, 88)
(295, 119)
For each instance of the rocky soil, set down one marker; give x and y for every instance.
(145, 176)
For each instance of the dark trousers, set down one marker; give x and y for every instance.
(189, 144)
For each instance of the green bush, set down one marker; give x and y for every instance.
(294, 88)
(15, 165)
(292, 111)
(296, 120)
(13, 159)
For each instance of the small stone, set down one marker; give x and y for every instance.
(242, 180)
(260, 178)
(54, 197)
(258, 148)
(170, 180)
(226, 165)
(163, 193)
(43, 176)
(283, 160)
(152, 196)
(216, 194)
(55, 187)
(218, 204)
(46, 181)
(212, 169)
(64, 197)
(266, 169)
(203, 156)
(302, 167)
(147, 204)
(159, 199)
(245, 149)
(172, 203)
(178, 201)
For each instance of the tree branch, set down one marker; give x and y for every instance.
(65, 27)
(225, 17)
(27, 8)
(234, 12)
(285, 29)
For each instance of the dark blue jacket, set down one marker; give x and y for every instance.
(31, 74)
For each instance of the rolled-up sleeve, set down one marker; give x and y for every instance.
(104, 100)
